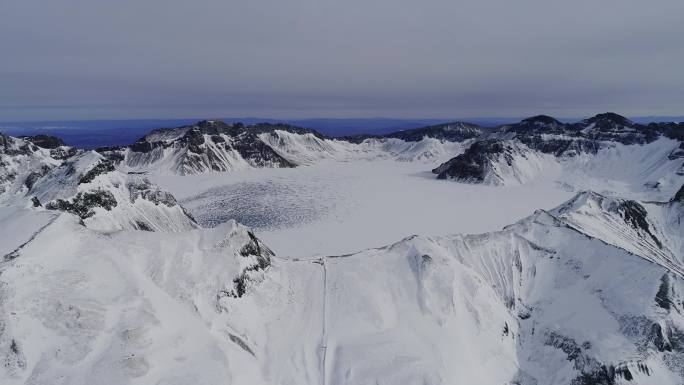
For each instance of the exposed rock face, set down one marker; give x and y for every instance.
(452, 132)
(679, 196)
(205, 146)
(494, 161)
(613, 127)
(45, 141)
(83, 204)
(22, 161)
(473, 164)
(143, 189)
(547, 135)
(262, 260)
(87, 185)
(102, 167)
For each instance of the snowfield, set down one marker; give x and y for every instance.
(209, 254)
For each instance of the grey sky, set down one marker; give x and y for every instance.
(84, 59)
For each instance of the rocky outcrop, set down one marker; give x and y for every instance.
(45, 141)
(450, 132)
(547, 135)
(102, 167)
(679, 196)
(495, 162)
(84, 204)
(204, 147)
(473, 164)
(23, 160)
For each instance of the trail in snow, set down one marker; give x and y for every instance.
(324, 314)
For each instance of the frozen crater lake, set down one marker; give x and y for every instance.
(328, 208)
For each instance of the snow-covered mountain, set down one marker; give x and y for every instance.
(542, 301)
(537, 303)
(214, 146)
(495, 161)
(542, 145)
(23, 160)
(104, 198)
(106, 279)
(86, 184)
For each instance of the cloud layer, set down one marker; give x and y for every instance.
(301, 58)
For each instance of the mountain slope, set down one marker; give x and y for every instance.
(651, 230)
(596, 147)
(538, 302)
(22, 161)
(541, 301)
(203, 147)
(214, 146)
(496, 162)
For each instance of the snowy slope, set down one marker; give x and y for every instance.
(83, 183)
(22, 162)
(306, 149)
(538, 302)
(651, 230)
(651, 171)
(497, 162)
(634, 158)
(139, 307)
(106, 199)
(646, 171)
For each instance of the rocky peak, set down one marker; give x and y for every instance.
(45, 141)
(454, 131)
(537, 125)
(544, 120)
(608, 120)
(472, 165)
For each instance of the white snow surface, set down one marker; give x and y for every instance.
(581, 287)
(535, 303)
(334, 204)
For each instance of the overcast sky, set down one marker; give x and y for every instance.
(86, 59)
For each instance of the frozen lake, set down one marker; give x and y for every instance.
(334, 208)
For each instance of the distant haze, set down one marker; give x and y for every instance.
(97, 59)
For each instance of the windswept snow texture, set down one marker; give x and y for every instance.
(538, 302)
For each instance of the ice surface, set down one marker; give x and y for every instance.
(342, 207)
